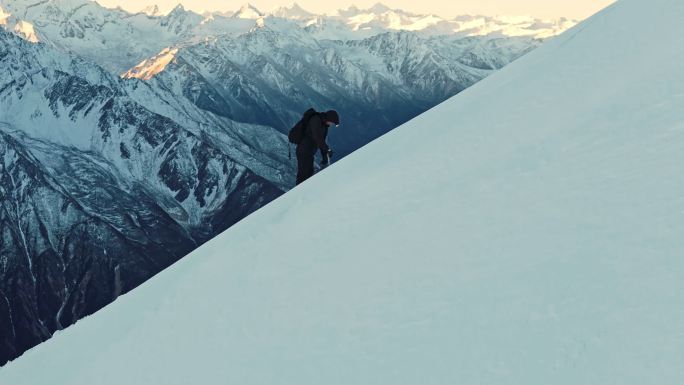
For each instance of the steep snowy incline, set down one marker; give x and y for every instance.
(527, 231)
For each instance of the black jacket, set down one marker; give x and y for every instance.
(315, 136)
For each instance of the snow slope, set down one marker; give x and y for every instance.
(533, 237)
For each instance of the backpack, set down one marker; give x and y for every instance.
(298, 131)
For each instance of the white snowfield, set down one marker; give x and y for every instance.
(527, 231)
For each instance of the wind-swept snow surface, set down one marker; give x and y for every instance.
(527, 231)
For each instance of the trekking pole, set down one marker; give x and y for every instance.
(325, 165)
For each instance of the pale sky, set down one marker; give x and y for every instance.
(576, 9)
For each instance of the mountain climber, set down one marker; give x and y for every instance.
(315, 126)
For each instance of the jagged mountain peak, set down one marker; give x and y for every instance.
(179, 8)
(103, 32)
(294, 11)
(248, 11)
(21, 28)
(379, 8)
(293, 6)
(180, 12)
(151, 10)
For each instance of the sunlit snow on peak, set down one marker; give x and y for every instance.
(248, 11)
(26, 31)
(21, 28)
(150, 67)
(293, 12)
(4, 16)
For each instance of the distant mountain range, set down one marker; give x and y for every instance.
(128, 139)
(118, 40)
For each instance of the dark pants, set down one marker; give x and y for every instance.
(305, 164)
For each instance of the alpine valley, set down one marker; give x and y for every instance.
(129, 139)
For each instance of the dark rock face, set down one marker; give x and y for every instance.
(72, 238)
(85, 218)
(71, 241)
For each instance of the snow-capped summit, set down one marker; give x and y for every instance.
(178, 22)
(148, 68)
(21, 28)
(102, 34)
(26, 31)
(379, 8)
(179, 9)
(248, 11)
(526, 231)
(293, 12)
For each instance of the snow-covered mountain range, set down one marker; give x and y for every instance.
(119, 40)
(527, 240)
(379, 66)
(127, 139)
(101, 189)
(268, 76)
(380, 18)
